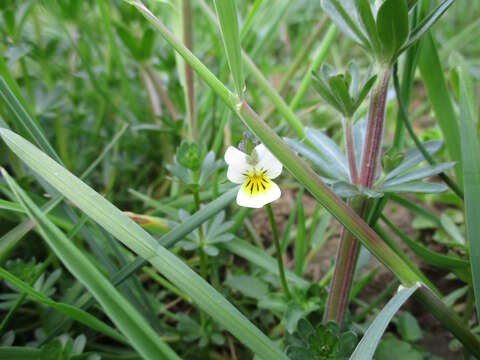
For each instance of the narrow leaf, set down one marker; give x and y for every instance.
(367, 346)
(227, 16)
(139, 241)
(121, 312)
(471, 175)
(427, 22)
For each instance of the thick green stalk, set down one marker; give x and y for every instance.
(278, 250)
(308, 178)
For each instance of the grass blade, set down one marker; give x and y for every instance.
(139, 241)
(471, 176)
(227, 17)
(366, 348)
(66, 309)
(120, 311)
(439, 97)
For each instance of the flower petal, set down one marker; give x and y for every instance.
(268, 162)
(237, 165)
(258, 199)
(234, 156)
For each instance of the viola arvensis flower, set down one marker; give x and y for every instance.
(255, 172)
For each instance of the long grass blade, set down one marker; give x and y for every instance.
(366, 348)
(133, 236)
(120, 311)
(471, 176)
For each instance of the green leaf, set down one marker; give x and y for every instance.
(408, 327)
(248, 285)
(366, 348)
(419, 174)
(121, 312)
(337, 13)
(430, 257)
(437, 92)
(329, 151)
(471, 175)
(147, 44)
(262, 259)
(394, 349)
(427, 22)
(365, 14)
(66, 309)
(139, 241)
(23, 121)
(227, 16)
(392, 27)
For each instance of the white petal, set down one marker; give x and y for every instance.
(237, 165)
(268, 162)
(233, 155)
(245, 199)
(236, 172)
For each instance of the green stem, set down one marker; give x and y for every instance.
(278, 250)
(319, 57)
(404, 116)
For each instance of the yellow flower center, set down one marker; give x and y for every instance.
(256, 183)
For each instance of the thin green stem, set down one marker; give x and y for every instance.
(404, 116)
(278, 250)
(319, 57)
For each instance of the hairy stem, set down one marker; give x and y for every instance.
(348, 247)
(352, 164)
(373, 136)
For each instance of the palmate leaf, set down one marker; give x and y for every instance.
(139, 241)
(392, 27)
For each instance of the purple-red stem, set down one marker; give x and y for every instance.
(348, 247)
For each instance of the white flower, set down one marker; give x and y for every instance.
(255, 172)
